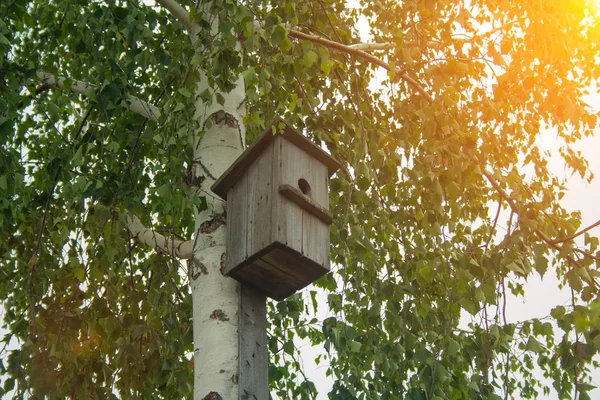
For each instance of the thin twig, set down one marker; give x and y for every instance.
(573, 236)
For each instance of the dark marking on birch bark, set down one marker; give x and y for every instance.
(206, 171)
(196, 268)
(223, 118)
(212, 224)
(219, 315)
(234, 379)
(241, 138)
(192, 179)
(223, 263)
(212, 396)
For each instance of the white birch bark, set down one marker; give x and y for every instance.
(215, 296)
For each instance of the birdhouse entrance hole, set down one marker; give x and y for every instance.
(304, 186)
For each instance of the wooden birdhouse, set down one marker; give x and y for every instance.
(278, 212)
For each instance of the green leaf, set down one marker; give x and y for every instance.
(310, 58)
(79, 273)
(53, 109)
(326, 66)
(534, 346)
(220, 98)
(185, 92)
(278, 36)
(111, 93)
(137, 330)
(453, 347)
(558, 312)
(354, 346)
(288, 347)
(206, 96)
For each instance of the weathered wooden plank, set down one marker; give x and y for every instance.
(237, 224)
(252, 177)
(277, 210)
(315, 233)
(289, 221)
(253, 379)
(262, 194)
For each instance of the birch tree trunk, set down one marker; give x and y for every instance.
(215, 296)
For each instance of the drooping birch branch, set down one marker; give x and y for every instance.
(132, 103)
(178, 12)
(175, 248)
(552, 243)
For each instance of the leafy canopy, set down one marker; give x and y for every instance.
(448, 137)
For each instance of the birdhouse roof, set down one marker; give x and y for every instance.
(240, 166)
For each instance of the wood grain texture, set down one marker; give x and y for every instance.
(237, 224)
(315, 233)
(278, 240)
(289, 220)
(251, 213)
(261, 189)
(253, 378)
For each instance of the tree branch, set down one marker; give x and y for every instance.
(573, 236)
(132, 103)
(177, 11)
(175, 248)
(514, 208)
(359, 53)
(371, 46)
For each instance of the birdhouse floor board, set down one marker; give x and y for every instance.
(261, 275)
(278, 271)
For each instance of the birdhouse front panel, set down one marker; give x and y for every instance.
(277, 213)
(295, 226)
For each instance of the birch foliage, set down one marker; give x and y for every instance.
(444, 206)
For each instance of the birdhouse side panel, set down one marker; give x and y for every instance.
(259, 201)
(315, 233)
(237, 224)
(287, 216)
